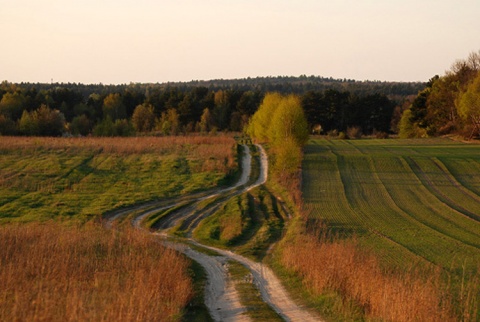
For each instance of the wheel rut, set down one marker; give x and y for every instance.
(221, 298)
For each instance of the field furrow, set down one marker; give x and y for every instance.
(437, 183)
(324, 191)
(400, 196)
(417, 201)
(466, 171)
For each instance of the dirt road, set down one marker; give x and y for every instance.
(221, 298)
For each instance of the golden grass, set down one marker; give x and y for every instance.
(128, 145)
(328, 264)
(50, 272)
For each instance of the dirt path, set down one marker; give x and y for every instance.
(221, 298)
(269, 286)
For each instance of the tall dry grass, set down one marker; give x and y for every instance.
(328, 264)
(123, 145)
(53, 273)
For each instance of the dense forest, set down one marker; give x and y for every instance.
(198, 106)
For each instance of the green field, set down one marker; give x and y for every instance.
(408, 200)
(81, 179)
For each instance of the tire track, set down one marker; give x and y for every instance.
(221, 298)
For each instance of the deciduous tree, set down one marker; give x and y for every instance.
(206, 121)
(12, 105)
(81, 125)
(288, 122)
(468, 105)
(43, 122)
(113, 106)
(169, 123)
(143, 118)
(259, 124)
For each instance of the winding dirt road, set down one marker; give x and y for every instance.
(221, 298)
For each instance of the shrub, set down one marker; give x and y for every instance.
(380, 135)
(81, 125)
(354, 132)
(332, 133)
(342, 136)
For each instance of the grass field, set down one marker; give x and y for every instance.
(406, 199)
(81, 271)
(82, 178)
(389, 230)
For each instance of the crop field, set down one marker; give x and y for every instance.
(82, 178)
(410, 201)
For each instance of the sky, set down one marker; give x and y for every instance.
(150, 41)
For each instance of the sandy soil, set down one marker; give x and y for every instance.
(221, 298)
(270, 287)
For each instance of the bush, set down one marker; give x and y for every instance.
(109, 128)
(342, 136)
(332, 133)
(354, 132)
(381, 135)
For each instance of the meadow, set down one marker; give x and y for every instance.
(82, 178)
(58, 263)
(51, 272)
(391, 227)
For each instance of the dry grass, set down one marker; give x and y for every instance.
(51, 272)
(129, 145)
(216, 152)
(329, 264)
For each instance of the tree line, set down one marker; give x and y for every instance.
(206, 106)
(449, 104)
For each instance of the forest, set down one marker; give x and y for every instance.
(198, 106)
(449, 104)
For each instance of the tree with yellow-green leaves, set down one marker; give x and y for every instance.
(288, 122)
(468, 105)
(259, 125)
(113, 106)
(279, 118)
(143, 118)
(12, 105)
(280, 121)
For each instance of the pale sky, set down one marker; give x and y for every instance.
(123, 41)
